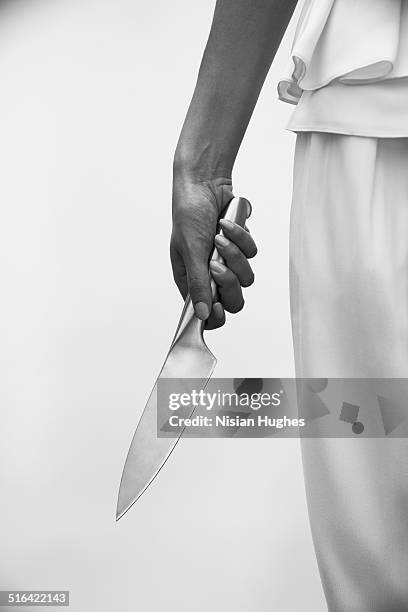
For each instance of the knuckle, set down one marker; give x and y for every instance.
(234, 230)
(230, 280)
(239, 235)
(233, 253)
(197, 286)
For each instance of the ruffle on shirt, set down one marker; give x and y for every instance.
(352, 41)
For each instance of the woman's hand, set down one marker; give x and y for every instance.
(197, 206)
(243, 40)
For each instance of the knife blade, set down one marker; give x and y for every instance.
(188, 357)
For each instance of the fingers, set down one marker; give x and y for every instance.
(192, 241)
(217, 317)
(235, 246)
(190, 272)
(239, 236)
(198, 280)
(229, 289)
(235, 260)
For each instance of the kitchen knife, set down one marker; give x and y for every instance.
(188, 357)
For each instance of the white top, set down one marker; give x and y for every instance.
(349, 68)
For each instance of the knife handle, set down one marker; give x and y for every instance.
(237, 211)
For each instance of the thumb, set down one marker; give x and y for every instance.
(198, 280)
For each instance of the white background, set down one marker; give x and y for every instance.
(92, 97)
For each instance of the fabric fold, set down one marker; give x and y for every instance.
(351, 41)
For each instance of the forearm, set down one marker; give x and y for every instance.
(243, 40)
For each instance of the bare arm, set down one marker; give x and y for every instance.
(243, 40)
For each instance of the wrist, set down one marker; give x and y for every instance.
(201, 163)
(209, 185)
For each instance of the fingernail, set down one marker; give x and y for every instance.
(221, 240)
(227, 223)
(202, 311)
(218, 310)
(216, 266)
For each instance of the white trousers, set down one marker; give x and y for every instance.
(349, 308)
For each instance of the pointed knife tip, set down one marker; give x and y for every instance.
(121, 509)
(120, 512)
